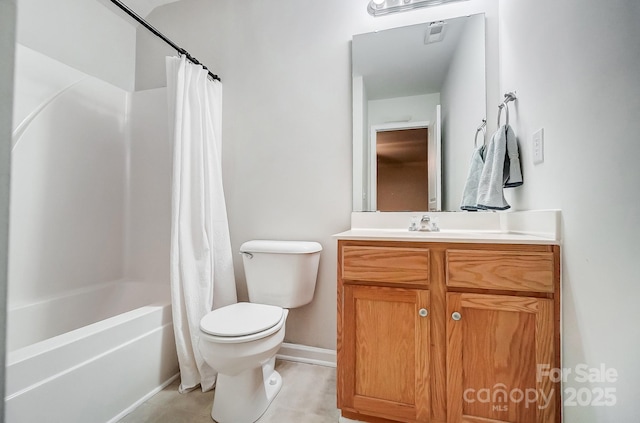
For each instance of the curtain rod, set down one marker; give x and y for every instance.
(159, 34)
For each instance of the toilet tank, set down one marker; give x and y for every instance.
(281, 273)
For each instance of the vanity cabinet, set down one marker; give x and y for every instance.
(384, 337)
(387, 352)
(495, 345)
(448, 332)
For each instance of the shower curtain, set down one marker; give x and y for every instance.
(202, 276)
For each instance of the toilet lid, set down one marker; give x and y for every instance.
(241, 319)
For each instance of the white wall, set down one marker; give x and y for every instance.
(202, 27)
(416, 108)
(83, 34)
(286, 118)
(575, 67)
(463, 108)
(67, 180)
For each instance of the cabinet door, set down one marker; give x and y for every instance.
(497, 349)
(385, 360)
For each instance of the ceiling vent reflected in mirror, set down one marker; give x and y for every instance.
(435, 32)
(385, 7)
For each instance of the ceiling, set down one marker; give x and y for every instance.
(397, 62)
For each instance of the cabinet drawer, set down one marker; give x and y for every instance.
(385, 264)
(500, 270)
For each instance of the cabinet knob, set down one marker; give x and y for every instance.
(423, 312)
(456, 316)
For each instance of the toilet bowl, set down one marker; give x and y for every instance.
(240, 340)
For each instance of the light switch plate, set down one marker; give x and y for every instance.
(538, 146)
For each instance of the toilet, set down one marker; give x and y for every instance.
(240, 341)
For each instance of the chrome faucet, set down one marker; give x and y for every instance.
(424, 225)
(428, 225)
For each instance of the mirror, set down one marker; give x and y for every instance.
(428, 78)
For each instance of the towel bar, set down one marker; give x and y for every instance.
(483, 128)
(510, 96)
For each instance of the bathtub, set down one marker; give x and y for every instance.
(89, 356)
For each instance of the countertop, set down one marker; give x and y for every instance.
(541, 227)
(462, 236)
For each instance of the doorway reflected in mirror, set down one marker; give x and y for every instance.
(401, 157)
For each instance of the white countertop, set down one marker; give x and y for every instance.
(525, 227)
(496, 237)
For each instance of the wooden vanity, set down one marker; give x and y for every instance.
(441, 331)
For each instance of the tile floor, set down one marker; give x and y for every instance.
(308, 395)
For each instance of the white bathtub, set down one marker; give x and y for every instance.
(90, 356)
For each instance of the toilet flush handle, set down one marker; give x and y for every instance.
(246, 254)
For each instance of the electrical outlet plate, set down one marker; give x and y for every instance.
(538, 146)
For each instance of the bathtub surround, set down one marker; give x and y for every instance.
(7, 51)
(76, 309)
(68, 180)
(82, 180)
(98, 372)
(201, 264)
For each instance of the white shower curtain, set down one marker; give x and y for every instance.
(201, 262)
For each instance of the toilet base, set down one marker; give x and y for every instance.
(243, 398)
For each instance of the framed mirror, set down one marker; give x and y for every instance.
(419, 94)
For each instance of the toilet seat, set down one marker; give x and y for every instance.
(242, 322)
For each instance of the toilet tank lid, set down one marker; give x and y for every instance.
(280, 247)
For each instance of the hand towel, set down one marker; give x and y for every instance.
(470, 193)
(514, 176)
(497, 170)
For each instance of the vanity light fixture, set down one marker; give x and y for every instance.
(385, 7)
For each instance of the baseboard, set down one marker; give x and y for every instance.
(306, 354)
(143, 399)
